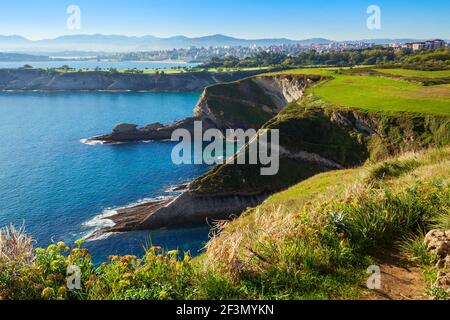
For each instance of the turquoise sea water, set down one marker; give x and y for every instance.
(56, 185)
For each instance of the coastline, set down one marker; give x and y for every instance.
(127, 218)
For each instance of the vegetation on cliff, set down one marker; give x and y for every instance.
(310, 127)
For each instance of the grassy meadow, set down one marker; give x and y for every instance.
(416, 73)
(377, 93)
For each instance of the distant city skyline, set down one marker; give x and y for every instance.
(248, 19)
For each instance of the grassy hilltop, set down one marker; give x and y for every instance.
(316, 238)
(404, 114)
(379, 90)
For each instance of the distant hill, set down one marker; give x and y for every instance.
(8, 57)
(120, 43)
(117, 43)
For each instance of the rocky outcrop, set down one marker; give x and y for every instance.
(43, 80)
(438, 242)
(250, 103)
(186, 210)
(244, 104)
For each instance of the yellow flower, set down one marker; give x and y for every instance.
(124, 283)
(51, 248)
(54, 265)
(187, 257)
(48, 293)
(79, 242)
(127, 276)
(173, 253)
(163, 294)
(62, 292)
(61, 245)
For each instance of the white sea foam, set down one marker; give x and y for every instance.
(101, 221)
(91, 142)
(101, 236)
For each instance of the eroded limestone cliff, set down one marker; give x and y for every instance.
(315, 136)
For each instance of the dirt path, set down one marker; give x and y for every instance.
(399, 281)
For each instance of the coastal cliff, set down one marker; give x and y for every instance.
(315, 136)
(243, 104)
(47, 80)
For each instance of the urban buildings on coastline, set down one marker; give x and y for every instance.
(203, 54)
(421, 45)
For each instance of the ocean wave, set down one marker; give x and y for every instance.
(89, 142)
(101, 221)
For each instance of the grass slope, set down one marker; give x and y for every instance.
(375, 93)
(313, 126)
(416, 73)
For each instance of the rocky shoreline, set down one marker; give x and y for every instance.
(40, 80)
(187, 209)
(129, 218)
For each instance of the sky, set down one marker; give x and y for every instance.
(250, 19)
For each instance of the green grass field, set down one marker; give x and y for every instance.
(381, 94)
(416, 73)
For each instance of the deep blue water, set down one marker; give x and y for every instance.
(54, 184)
(92, 64)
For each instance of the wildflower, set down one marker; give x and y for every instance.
(128, 276)
(187, 257)
(48, 293)
(79, 242)
(124, 283)
(129, 259)
(51, 248)
(104, 264)
(62, 246)
(62, 291)
(150, 255)
(114, 258)
(163, 294)
(156, 248)
(54, 265)
(173, 253)
(160, 257)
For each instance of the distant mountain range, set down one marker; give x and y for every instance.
(118, 43)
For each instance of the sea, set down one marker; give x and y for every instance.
(61, 189)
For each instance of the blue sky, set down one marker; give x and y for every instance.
(296, 19)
